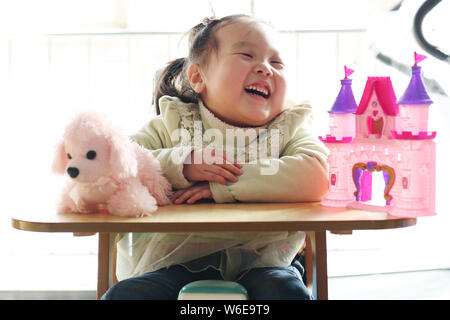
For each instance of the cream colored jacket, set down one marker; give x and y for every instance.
(281, 162)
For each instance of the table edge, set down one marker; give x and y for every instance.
(246, 226)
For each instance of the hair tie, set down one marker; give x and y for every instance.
(207, 20)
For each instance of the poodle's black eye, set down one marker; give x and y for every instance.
(69, 156)
(91, 154)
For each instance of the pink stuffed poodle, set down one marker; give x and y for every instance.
(107, 169)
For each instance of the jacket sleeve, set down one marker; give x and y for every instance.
(155, 137)
(299, 174)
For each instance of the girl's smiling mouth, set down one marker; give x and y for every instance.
(258, 89)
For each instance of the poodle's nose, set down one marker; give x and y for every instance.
(73, 172)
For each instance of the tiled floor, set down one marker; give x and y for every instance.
(420, 285)
(48, 295)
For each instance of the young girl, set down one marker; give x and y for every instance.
(232, 84)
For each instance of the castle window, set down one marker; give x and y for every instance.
(375, 126)
(405, 183)
(333, 179)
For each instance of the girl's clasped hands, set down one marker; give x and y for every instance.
(204, 166)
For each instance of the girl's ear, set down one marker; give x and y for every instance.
(196, 78)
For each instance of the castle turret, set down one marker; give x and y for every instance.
(342, 118)
(414, 105)
(339, 141)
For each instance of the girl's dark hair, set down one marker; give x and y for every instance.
(173, 79)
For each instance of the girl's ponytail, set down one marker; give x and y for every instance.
(172, 81)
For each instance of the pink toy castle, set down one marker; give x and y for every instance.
(386, 138)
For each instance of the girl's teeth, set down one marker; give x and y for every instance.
(258, 89)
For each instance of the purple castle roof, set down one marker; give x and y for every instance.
(415, 92)
(345, 101)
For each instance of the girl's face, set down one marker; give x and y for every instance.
(244, 83)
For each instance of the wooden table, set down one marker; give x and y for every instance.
(209, 217)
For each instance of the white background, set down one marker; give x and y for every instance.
(60, 57)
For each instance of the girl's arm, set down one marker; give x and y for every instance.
(175, 166)
(155, 137)
(300, 174)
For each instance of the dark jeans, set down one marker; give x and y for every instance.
(261, 283)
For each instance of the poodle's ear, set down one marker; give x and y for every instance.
(122, 157)
(60, 159)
